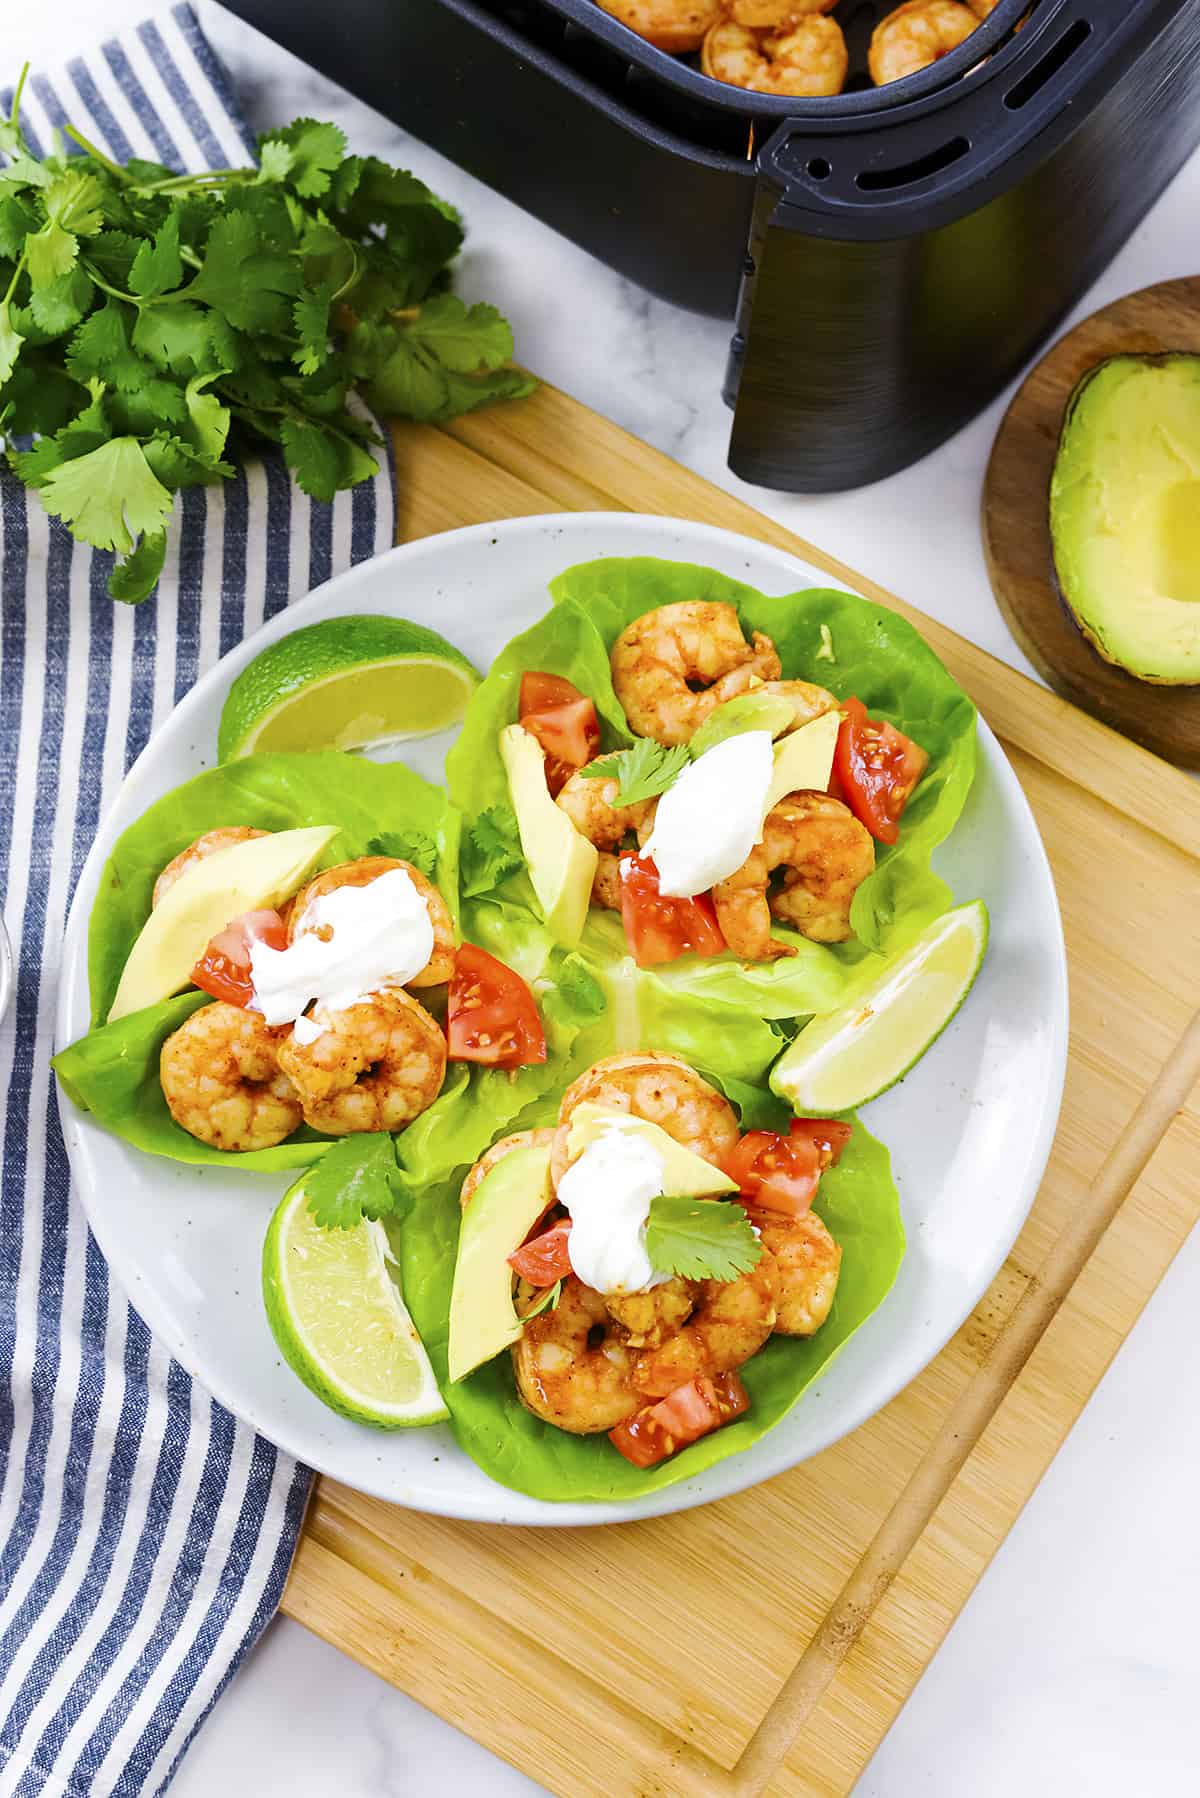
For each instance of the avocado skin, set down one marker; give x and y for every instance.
(1113, 479)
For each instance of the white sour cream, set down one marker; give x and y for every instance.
(371, 936)
(710, 819)
(608, 1193)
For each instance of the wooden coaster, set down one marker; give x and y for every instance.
(1016, 522)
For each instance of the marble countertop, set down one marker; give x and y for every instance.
(1076, 1664)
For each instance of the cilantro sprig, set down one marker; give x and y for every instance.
(408, 845)
(643, 771)
(155, 325)
(356, 1178)
(491, 851)
(700, 1239)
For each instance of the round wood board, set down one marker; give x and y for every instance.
(1016, 522)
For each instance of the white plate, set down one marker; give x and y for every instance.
(969, 1130)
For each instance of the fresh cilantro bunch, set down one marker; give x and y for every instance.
(153, 324)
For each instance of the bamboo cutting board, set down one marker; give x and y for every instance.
(637, 1661)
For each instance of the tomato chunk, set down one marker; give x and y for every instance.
(564, 722)
(545, 1258)
(492, 1016)
(829, 1134)
(774, 1172)
(224, 968)
(661, 1430)
(877, 767)
(660, 929)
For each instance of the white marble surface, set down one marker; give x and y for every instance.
(1076, 1664)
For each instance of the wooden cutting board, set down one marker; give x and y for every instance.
(636, 1661)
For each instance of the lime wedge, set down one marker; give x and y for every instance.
(846, 1057)
(346, 683)
(337, 1315)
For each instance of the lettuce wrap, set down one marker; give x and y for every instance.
(822, 634)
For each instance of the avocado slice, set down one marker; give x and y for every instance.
(250, 876)
(1125, 513)
(561, 862)
(685, 1176)
(804, 760)
(504, 1208)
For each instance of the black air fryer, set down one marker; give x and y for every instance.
(889, 257)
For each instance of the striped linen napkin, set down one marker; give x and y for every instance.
(145, 1534)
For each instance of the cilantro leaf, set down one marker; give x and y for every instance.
(60, 304)
(409, 845)
(491, 851)
(311, 455)
(157, 267)
(461, 339)
(274, 158)
(249, 284)
(310, 315)
(579, 986)
(17, 220)
(10, 343)
(49, 253)
(642, 772)
(135, 578)
(355, 1178)
(316, 151)
(178, 338)
(108, 496)
(701, 1239)
(74, 201)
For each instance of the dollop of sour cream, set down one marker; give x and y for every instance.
(361, 938)
(709, 820)
(608, 1193)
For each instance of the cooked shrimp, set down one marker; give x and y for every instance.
(730, 1323)
(589, 804)
(361, 873)
(806, 59)
(673, 666)
(221, 1079)
(674, 25)
(649, 1318)
(520, 1139)
(375, 1066)
(659, 1088)
(806, 700)
(572, 1365)
(825, 854)
(222, 838)
(915, 36)
(809, 1261)
(763, 15)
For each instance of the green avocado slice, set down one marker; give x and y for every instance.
(1125, 513)
(507, 1203)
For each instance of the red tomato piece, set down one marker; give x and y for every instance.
(877, 767)
(545, 1258)
(660, 929)
(492, 1016)
(564, 722)
(691, 1411)
(224, 968)
(774, 1172)
(829, 1134)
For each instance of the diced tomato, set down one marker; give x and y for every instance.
(660, 929)
(877, 767)
(564, 722)
(545, 1258)
(224, 968)
(776, 1173)
(491, 1014)
(661, 1430)
(829, 1134)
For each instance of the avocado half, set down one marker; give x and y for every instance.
(1125, 513)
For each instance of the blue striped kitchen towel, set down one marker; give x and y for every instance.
(145, 1534)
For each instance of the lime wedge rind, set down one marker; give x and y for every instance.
(340, 1322)
(847, 1057)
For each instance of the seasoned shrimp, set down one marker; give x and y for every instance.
(375, 1066)
(731, 1321)
(649, 1318)
(520, 1139)
(804, 60)
(673, 666)
(769, 15)
(361, 873)
(223, 838)
(809, 1261)
(825, 854)
(589, 805)
(222, 1082)
(806, 700)
(573, 1367)
(659, 1088)
(674, 25)
(915, 36)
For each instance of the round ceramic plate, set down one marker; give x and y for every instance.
(969, 1129)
